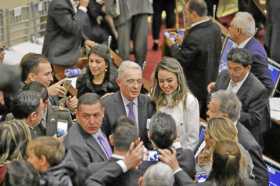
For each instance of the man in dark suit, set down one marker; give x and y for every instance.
(226, 104)
(163, 134)
(272, 38)
(128, 101)
(255, 114)
(85, 140)
(200, 51)
(132, 24)
(64, 33)
(123, 135)
(242, 31)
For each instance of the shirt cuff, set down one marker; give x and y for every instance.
(122, 165)
(84, 9)
(177, 170)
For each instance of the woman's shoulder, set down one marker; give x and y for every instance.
(191, 98)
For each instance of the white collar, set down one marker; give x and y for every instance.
(118, 156)
(240, 83)
(126, 101)
(199, 22)
(244, 43)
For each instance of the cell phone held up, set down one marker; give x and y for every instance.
(151, 155)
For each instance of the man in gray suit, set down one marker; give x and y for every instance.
(251, 92)
(85, 140)
(128, 101)
(131, 23)
(123, 136)
(226, 104)
(64, 35)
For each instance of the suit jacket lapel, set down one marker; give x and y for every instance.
(119, 105)
(92, 143)
(243, 89)
(141, 116)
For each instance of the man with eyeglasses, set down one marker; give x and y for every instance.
(129, 101)
(255, 115)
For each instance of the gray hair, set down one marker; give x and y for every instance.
(229, 103)
(127, 65)
(245, 22)
(159, 174)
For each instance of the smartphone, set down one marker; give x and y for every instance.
(62, 127)
(152, 155)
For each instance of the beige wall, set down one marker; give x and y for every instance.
(14, 3)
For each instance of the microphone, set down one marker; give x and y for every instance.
(109, 41)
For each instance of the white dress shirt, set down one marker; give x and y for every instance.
(244, 43)
(234, 87)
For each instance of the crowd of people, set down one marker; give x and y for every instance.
(106, 130)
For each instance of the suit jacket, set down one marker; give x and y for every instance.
(255, 114)
(114, 108)
(272, 38)
(199, 56)
(116, 177)
(246, 139)
(183, 179)
(128, 9)
(260, 64)
(83, 147)
(63, 37)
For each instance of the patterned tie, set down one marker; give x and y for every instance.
(131, 114)
(104, 144)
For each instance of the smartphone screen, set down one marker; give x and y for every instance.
(62, 127)
(152, 155)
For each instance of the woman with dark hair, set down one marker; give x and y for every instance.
(100, 73)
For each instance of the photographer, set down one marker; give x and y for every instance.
(162, 133)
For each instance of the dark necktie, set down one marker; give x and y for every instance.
(104, 144)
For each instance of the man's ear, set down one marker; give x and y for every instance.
(44, 164)
(31, 77)
(111, 140)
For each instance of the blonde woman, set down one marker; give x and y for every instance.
(171, 95)
(220, 129)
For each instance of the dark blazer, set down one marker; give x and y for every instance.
(272, 39)
(199, 56)
(255, 114)
(246, 139)
(116, 177)
(114, 108)
(84, 83)
(260, 63)
(183, 179)
(83, 147)
(64, 35)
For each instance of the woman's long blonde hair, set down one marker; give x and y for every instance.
(171, 65)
